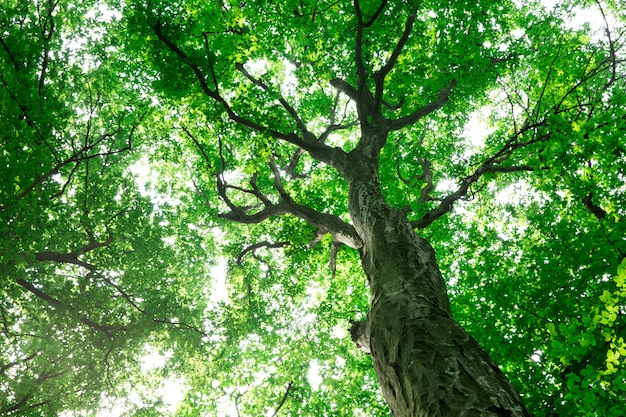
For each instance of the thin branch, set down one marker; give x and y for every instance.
(9, 365)
(427, 177)
(16, 65)
(183, 325)
(611, 46)
(364, 98)
(490, 165)
(425, 110)
(448, 202)
(379, 76)
(198, 145)
(293, 162)
(284, 399)
(47, 31)
(292, 112)
(78, 157)
(55, 302)
(253, 248)
(332, 262)
(376, 14)
(26, 115)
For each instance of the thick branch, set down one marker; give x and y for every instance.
(352, 93)
(341, 231)
(593, 208)
(332, 156)
(72, 257)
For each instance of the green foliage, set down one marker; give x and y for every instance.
(113, 229)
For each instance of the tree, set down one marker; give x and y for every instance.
(288, 134)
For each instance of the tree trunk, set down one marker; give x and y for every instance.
(427, 365)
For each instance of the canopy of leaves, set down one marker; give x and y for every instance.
(134, 133)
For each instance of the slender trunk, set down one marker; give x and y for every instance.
(427, 365)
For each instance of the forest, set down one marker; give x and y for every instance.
(313, 208)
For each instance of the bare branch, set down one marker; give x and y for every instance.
(611, 45)
(341, 231)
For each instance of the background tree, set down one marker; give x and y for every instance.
(282, 136)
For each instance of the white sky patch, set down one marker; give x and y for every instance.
(218, 289)
(172, 390)
(477, 129)
(579, 16)
(145, 178)
(314, 376)
(339, 331)
(536, 357)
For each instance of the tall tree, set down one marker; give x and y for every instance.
(304, 131)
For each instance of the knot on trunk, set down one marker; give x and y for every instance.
(360, 333)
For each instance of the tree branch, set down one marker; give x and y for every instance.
(341, 231)
(427, 177)
(593, 208)
(379, 76)
(9, 365)
(364, 98)
(425, 110)
(447, 203)
(332, 156)
(77, 157)
(68, 307)
(292, 112)
(376, 14)
(254, 247)
(284, 399)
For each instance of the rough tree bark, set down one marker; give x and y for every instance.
(426, 364)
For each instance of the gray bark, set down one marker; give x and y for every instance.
(427, 365)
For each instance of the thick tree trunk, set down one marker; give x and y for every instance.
(427, 365)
